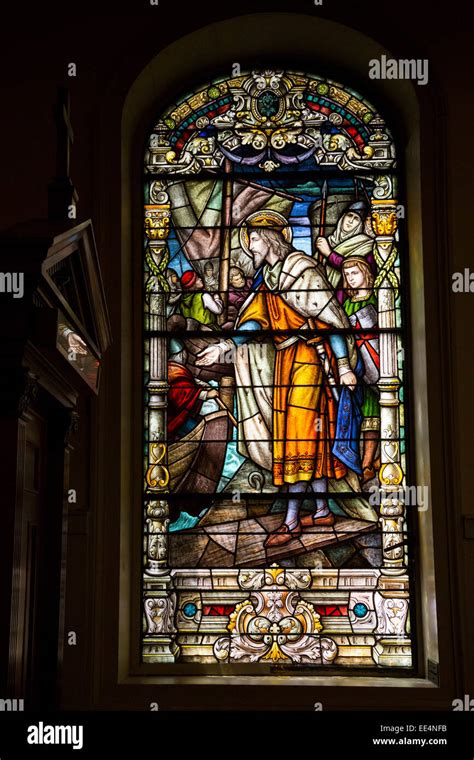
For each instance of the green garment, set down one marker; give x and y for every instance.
(352, 307)
(370, 403)
(192, 306)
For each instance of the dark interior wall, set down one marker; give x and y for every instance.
(111, 46)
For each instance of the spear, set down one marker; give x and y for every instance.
(360, 183)
(322, 216)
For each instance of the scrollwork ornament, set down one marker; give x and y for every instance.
(277, 626)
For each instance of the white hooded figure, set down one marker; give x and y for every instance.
(348, 239)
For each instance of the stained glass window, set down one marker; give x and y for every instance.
(277, 518)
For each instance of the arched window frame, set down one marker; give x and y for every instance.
(361, 146)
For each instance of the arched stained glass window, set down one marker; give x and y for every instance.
(277, 523)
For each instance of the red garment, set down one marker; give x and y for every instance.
(183, 396)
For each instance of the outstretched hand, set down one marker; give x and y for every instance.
(76, 343)
(208, 356)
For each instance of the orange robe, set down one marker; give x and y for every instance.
(304, 410)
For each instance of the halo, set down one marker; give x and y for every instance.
(266, 218)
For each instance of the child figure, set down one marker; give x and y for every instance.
(360, 305)
(198, 304)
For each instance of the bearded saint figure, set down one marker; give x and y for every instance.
(289, 418)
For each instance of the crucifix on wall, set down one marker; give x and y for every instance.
(62, 195)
